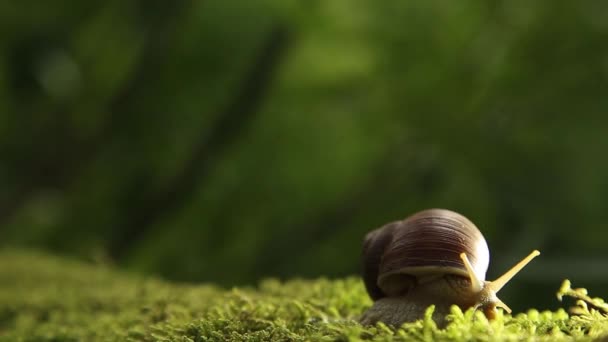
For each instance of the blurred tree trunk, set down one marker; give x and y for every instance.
(230, 125)
(62, 156)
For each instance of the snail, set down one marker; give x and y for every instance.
(434, 257)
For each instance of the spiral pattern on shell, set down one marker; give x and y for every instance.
(427, 243)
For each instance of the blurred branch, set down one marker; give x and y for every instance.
(228, 128)
(58, 171)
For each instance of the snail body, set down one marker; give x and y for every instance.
(434, 257)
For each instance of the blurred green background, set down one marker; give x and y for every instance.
(228, 141)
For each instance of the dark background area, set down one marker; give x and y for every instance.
(228, 141)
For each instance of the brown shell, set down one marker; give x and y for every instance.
(428, 243)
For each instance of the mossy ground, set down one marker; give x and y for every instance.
(44, 298)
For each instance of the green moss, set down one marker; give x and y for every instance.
(43, 298)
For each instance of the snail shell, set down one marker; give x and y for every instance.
(425, 244)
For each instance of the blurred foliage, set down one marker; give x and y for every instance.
(227, 141)
(52, 299)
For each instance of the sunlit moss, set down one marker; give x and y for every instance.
(43, 298)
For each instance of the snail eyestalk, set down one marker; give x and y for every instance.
(497, 284)
(501, 304)
(475, 282)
